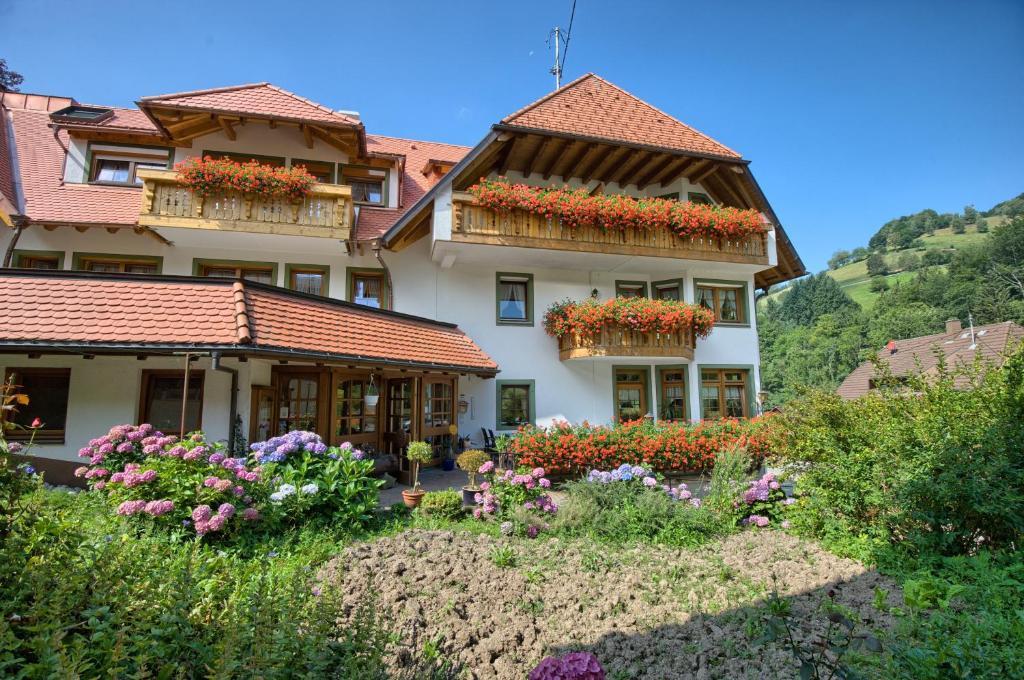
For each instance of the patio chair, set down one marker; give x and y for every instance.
(489, 444)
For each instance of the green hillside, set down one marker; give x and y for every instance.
(854, 279)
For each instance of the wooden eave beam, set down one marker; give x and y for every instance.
(654, 171)
(614, 155)
(699, 177)
(185, 123)
(587, 172)
(480, 166)
(563, 145)
(629, 168)
(229, 130)
(728, 191)
(545, 142)
(331, 140)
(199, 132)
(574, 171)
(673, 171)
(505, 159)
(307, 135)
(570, 158)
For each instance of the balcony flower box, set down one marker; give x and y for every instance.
(212, 176)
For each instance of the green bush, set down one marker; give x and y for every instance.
(925, 463)
(85, 593)
(443, 504)
(627, 512)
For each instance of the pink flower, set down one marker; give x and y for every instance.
(217, 522)
(201, 513)
(544, 482)
(150, 449)
(226, 509)
(36, 424)
(130, 507)
(148, 476)
(100, 485)
(250, 514)
(124, 447)
(238, 491)
(81, 471)
(538, 472)
(484, 486)
(106, 448)
(486, 467)
(215, 458)
(222, 484)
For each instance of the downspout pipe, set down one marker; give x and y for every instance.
(215, 358)
(19, 226)
(387, 273)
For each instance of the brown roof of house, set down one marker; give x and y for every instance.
(373, 222)
(47, 198)
(110, 312)
(254, 99)
(592, 107)
(991, 343)
(122, 120)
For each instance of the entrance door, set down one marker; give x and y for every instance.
(298, 402)
(630, 394)
(399, 418)
(261, 413)
(438, 414)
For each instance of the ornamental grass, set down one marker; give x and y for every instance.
(576, 207)
(661, 446)
(640, 314)
(207, 176)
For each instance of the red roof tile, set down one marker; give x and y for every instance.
(991, 343)
(592, 107)
(130, 120)
(81, 310)
(47, 199)
(256, 99)
(373, 222)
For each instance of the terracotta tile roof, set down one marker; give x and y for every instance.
(592, 107)
(373, 222)
(130, 120)
(84, 310)
(991, 343)
(40, 164)
(256, 99)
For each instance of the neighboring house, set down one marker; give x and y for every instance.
(291, 314)
(958, 347)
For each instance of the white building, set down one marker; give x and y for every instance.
(115, 276)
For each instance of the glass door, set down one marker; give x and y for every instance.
(399, 425)
(261, 414)
(630, 395)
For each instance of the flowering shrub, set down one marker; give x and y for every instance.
(575, 207)
(639, 314)
(505, 493)
(307, 476)
(208, 176)
(680, 447)
(17, 479)
(571, 666)
(682, 493)
(762, 502)
(190, 483)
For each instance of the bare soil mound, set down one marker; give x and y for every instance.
(646, 612)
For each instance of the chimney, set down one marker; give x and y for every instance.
(954, 326)
(891, 346)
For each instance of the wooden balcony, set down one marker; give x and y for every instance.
(623, 342)
(473, 223)
(327, 211)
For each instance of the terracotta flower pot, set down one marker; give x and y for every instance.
(412, 497)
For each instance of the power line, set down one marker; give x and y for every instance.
(568, 34)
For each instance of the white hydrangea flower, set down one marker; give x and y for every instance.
(286, 489)
(309, 489)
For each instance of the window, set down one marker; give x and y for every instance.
(354, 418)
(38, 259)
(47, 391)
(630, 393)
(368, 287)
(674, 196)
(369, 185)
(728, 302)
(438, 414)
(515, 299)
(723, 393)
(668, 290)
(273, 161)
(112, 263)
(697, 197)
(260, 272)
(630, 289)
(116, 168)
(160, 404)
(322, 170)
(308, 278)
(299, 402)
(516, 405)
(672, 393)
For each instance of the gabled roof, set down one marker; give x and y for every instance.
(254, 99)
(959, 348)
(86, 312)
(591, 107)
(127, 120)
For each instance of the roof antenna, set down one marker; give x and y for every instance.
(556, 33)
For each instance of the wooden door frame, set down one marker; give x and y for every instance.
(254, 392)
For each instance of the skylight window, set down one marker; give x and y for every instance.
(81, 114)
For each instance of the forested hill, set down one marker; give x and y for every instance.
(916, 272)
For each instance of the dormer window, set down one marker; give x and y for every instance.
(116, 168)
(368, 184)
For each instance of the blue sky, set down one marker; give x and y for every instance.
(852, 113)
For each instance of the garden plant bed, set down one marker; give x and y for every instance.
(645, 612)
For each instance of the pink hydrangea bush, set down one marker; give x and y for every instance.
(520, 497)
(763, 503)
(571, 666)
(191, 484)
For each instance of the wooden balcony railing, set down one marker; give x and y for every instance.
(613, 341)
(327, 211)
(473, 223)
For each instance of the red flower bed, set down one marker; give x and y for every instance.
(208, 176)
(665, 447)
(639, 313)
(575, 207)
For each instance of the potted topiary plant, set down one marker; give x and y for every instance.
(417, 453)
(470, 462)
(501, 444)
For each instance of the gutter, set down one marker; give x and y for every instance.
(387, 272)
(19, 226)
